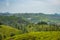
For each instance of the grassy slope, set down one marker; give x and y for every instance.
(52, 35)
(7, 31)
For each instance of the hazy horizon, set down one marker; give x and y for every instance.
(30, 6)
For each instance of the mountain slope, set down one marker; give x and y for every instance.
(7, 31)
(12, 21)
(36, 17)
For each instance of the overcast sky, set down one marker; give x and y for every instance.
(30, 6)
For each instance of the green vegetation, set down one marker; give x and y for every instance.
(37, 17)
(37, 26)
(52, 35)
(7, 31)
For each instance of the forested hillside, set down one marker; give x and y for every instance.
(36, 17)
(29, 26)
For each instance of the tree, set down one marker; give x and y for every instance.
(41, 23)
(12, 34)
(0, 37)
(0, 23)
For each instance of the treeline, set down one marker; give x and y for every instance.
(12, 20)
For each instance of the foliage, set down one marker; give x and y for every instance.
(5, 31)
(37, 26)
(49, 35)
(0, 37)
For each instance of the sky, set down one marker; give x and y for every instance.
(30, 6)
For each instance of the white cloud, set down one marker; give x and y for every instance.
(51, 2)
(54, 2)
(44, 6)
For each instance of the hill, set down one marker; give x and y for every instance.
(7, 31)
(30, 21)
(33, 26)
(12, 21)
(37, 17)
